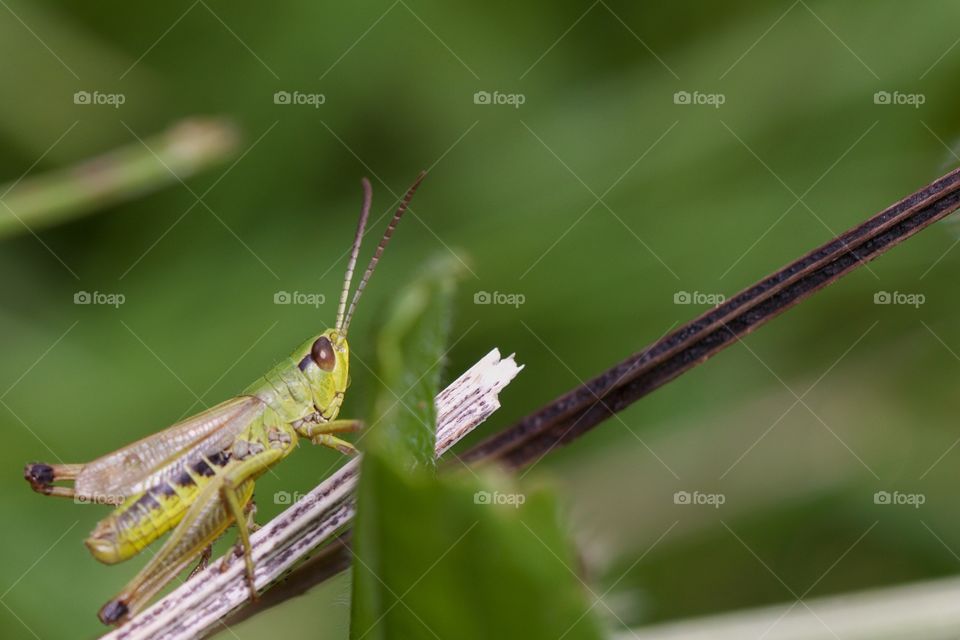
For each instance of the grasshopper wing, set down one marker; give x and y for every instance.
(163, 456)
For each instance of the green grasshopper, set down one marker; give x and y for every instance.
(197, 477)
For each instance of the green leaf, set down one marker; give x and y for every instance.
(433, 556)
(410, 350)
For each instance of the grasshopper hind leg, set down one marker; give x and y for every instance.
(222, 501)
(203, 523)
(114, 611)
(243, 515)
(41, 477)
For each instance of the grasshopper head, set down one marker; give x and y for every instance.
(325, 361)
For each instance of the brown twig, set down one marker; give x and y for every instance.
(584, 407)
(328, 562)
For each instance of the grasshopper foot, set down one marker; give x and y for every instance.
(227, 560)
(39, 475)
(113, 612)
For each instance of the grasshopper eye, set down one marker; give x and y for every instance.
(322, 354)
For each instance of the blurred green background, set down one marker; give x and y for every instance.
(696, 198)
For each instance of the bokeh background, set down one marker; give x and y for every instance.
(599, 202)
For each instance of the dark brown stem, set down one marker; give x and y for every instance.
(586, 406)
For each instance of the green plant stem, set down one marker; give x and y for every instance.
(124, 173)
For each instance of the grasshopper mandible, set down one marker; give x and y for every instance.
(197, 477)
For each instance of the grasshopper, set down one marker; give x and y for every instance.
(197, 477)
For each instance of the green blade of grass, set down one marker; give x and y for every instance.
(130, 171)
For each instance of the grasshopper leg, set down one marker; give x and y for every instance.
(203, 523)
(235, 506)
(322, 433)
(42, 476)
(252, 527)
(221, 502)
(233, 480)
(337, 426)
(251, 511)
(334, 442)
(203, 562)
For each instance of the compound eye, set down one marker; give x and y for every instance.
(323, 355)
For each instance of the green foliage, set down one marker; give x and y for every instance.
(200, 283)
(411, 348)
(435, 559)
(433, 556)
(57, 197)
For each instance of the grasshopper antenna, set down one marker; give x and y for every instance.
(354, 252)
(380, 247)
